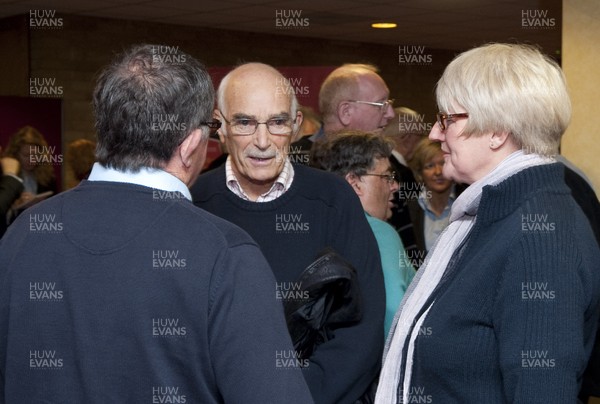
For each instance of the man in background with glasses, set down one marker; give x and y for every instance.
(294, 212)
(352, 97)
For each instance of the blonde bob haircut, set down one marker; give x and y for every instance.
(508, 88)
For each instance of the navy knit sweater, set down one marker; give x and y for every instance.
(515, 316)
(319, 210)
(118, 293)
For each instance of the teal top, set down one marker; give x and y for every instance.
(397, 270)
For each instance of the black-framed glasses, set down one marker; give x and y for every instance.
(442, 119)
(247, 126)
(213, 127)
(382, 105)
(390, 178)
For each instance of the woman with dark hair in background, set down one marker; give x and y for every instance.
(30, 148)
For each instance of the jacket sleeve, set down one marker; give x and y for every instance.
(10, 190)
(250, 348)
(341, 369)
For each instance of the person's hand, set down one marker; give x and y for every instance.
(24, 198)
(10, 166)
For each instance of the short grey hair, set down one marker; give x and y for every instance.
(508, 88)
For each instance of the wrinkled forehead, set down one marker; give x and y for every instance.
(258, 93)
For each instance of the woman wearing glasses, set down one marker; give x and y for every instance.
(509, 296)
(363, 160)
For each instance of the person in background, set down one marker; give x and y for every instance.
(11, 187)
(120, 290)
(362, 159)
(430, 213)
(30, 148)
(311, 122)
(80, 157)
(510, 293)
(300, 149)
(353, 96)
(294, 212)
(405, 131)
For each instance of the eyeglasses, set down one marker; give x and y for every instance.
(390, 178)
(382, 105)
(247, 126)
(213, 127)
(442, 119)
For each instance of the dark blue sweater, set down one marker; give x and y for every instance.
(515, 316)
(117, 293)
(319, 210)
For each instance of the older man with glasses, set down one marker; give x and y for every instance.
(294, 212)
(352, 97)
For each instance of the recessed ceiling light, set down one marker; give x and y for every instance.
(384, 25)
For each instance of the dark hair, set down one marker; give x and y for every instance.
(353, 152)
(146, 103)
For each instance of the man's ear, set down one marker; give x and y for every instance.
(355, 183)
(296, 127)
(190, 146)
(217, 115)
(344, 112)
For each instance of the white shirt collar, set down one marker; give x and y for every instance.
(399, 157)
(146, 177)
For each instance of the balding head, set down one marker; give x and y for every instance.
(258, 76)
(349, 83)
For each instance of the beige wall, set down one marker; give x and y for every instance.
(581, 64)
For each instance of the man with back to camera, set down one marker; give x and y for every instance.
(134, 294)
(293, 212)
